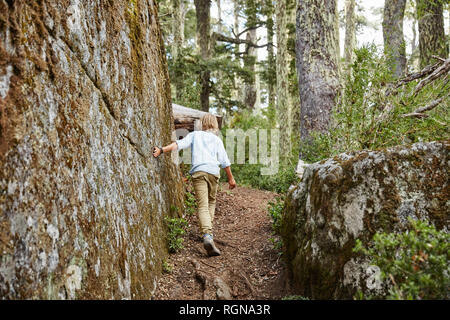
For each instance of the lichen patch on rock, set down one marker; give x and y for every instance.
(82, 200)
(352, 196)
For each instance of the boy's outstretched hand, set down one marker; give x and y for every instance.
(156, 151)
(231, 184)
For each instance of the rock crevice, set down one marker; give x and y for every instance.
(82, 201)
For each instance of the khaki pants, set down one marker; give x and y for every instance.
(205, 186)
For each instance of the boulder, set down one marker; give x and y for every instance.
(84, 95)
(352, 196)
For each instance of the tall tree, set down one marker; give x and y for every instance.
(284, 12)
(394, 43)
(250, 56)
(202, 9)
(350, 31)
(317, 63)
(410, 14)
(179, 13)
(237, 56)
(269, 11)
(219, 15)
(432, 40)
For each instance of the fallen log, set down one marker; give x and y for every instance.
(419, 113)
(189, 119)
(437, 73)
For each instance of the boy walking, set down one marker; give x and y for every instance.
(207, 153)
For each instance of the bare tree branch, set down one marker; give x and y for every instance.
(438, 58)
(417, 75)
(223, 38)
(411, 77)
(262, 23)
(443, 69)
(419, 113)
(432, 72)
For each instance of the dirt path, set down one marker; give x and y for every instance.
(249, 267)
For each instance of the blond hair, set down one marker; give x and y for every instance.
(209, 122)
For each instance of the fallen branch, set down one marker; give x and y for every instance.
(201, 276)
(443, 69)
(247, 282)
(438, 58)
(413, 76)
(419, 113)
(415, 115)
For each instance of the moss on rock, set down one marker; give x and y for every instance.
(353, 196)
(82, 201)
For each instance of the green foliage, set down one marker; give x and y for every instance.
(414, 264)
(275, 210)
(370, 113)
(250, 174)
(190, 203)
(317, 148)
(166, 267)
(277, 244)
(225, 63)
(177, 228)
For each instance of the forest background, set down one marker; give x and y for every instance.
(240, 59)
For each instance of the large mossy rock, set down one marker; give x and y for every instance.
(84, 95)
(352, 196)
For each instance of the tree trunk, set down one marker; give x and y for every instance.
(414, 39)
(237, 92)
(249, 63)
(219, 16)
(202, 9)
(432, 39)
(283, 59)
(414, 59)
(317, 56)
(236, 26)
(250, 57)
(270, 54)
(394, 43)
(350, 31)
(179, 12)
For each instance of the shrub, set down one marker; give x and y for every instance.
(275, 210)
(250, 174)
(167, 267)
(190, 203)
(370, 114)
(414, 264)
(177, 228)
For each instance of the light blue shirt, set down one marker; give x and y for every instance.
(207, 152)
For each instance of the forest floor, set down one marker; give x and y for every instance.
(249, 266)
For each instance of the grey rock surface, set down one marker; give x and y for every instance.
(84, 95)
(352, 196)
